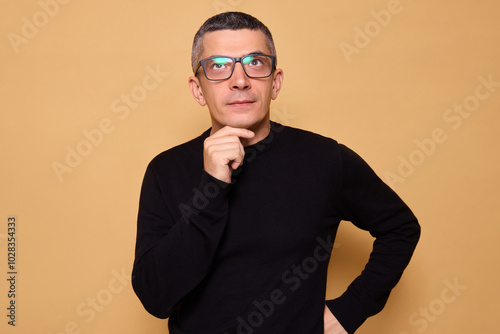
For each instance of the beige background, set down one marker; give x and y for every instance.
(65, 69)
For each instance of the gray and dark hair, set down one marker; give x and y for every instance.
(228, 21)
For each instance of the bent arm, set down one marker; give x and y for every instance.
(373, 206)
(173, 256)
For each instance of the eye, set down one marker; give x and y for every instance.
(219, 63)
(256, 62)
(253, 61)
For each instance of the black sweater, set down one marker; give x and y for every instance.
(252, 256)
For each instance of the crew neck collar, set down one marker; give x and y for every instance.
(266, 143)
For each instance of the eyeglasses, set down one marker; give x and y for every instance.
(221, 68)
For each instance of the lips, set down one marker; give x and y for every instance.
(243, 104)
(240, 102)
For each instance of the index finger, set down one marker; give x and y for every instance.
(230, 131)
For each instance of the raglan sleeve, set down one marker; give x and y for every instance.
(371, 205)
(172, 256)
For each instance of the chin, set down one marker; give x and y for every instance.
(245, 122)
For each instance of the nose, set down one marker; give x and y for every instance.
(239, 79)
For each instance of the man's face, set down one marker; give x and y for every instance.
(239, 101)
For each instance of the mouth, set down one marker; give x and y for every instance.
(241, 103)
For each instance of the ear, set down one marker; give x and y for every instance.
(277, 82)
(196, 90)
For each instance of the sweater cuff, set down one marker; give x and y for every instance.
(211, 193)
(350, 315)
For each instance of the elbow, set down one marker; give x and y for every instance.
(150, 299)
(416, 231)
(409, 233)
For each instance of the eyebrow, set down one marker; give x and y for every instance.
(247, 54)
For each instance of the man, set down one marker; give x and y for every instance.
(236, 227)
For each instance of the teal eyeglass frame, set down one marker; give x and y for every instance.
(237, 60)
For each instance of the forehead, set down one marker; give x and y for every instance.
(234, 43)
